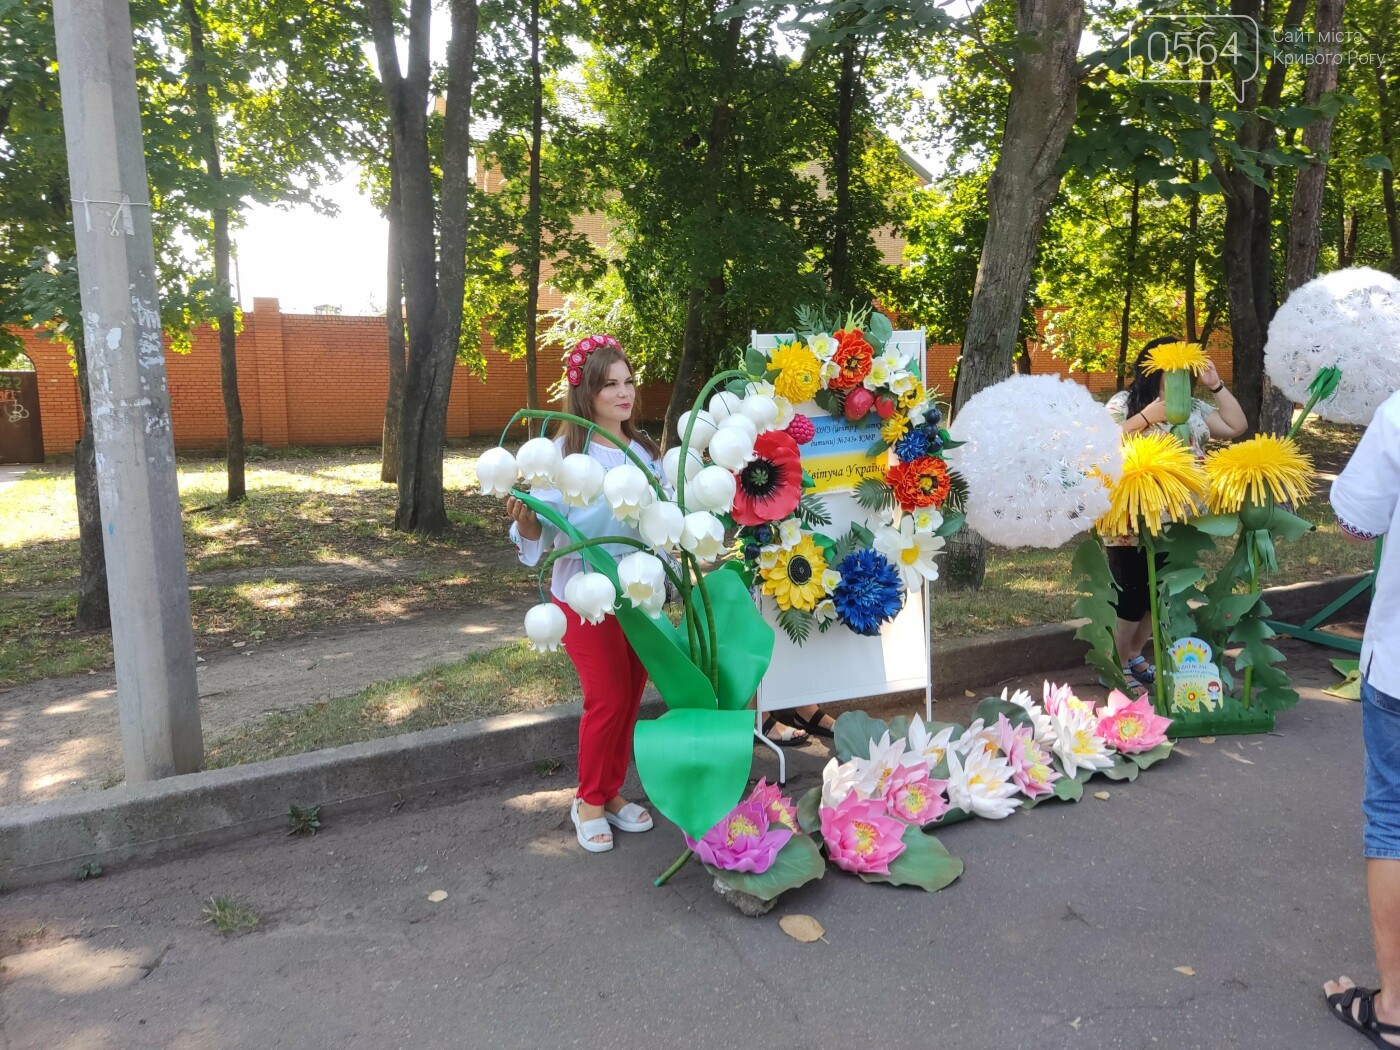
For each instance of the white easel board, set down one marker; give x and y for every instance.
(840, 664)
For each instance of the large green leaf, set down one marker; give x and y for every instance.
(694, 764)
(1068, 789)
(992, 707)
(853, 732)
(1222, 525)
(1090, 566)
(879, 330)
(809, 810)
(925, 862)
(1122, 769)
(797, 863)
(1150, 758)
(1289, 526)
(745, 638)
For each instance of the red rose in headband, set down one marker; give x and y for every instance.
(579, 355)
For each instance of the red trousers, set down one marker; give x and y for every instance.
(612, 679)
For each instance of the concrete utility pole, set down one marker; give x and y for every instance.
(153, 638)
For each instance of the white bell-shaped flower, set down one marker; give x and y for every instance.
(742, 423)
(628, 490)
(544, 626)
(591, 595)
(643, 581)
(539, 462)
(712, 490)
(723, 405)
(731, 448)
(705, 427)
(671, 464)
(661, 523)
(580, 479)
(496, 472)
(763, 410)
(703, 535)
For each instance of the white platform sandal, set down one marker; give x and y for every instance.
(586, 830)
(627, 818)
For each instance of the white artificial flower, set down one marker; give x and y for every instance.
(886, 757)
(822, 345)
(740, 422)
(1044, 729)
(785, 412)
(544, 626)
(978, 736)
(591, 595)
(1077, 742)
(981, 783)
(910, 552)
(760, 386)
(628, 491)
(831, 579)
(762, 409)
(926, 519)
(671, 464)
(880, 372)
(731, 448)
(703, 535)
(825, 611)
(496, 472)
(705, 427)
(660, 524)
(830, 370)
(712, 489)
(768, 556)
(902, 382)
(789, 533)
(580, 479)
(723, 405)
(931, 747)
(539, 462)
(918, 414)
(838, 781)
(643, 581)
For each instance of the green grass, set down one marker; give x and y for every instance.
(229, 916)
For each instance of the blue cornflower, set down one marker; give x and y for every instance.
(870, 591)
(912, 445)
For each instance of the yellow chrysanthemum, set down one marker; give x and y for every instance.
(1172, 357)
(795, 580)
(800, 375)
(1160, 479)
(1256, 470)
(894, 428)
(913, 396)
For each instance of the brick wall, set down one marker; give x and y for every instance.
(311, 379)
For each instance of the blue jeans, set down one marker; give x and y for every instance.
(1380, 727)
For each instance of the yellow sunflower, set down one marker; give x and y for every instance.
(894, 428)
(1160, 479)
(913, 396)
(800, 375)
(795, 580)
(1261, 469)
(1172, 357)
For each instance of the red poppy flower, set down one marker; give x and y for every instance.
(854, 356)
(771, 484)
(922, 482)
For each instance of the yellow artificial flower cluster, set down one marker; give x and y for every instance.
(794, 578)
(799, 372)
(1160, 479)
(1263, 469)
(1173, 357)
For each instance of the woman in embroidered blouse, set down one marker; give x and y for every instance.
(1139, 409)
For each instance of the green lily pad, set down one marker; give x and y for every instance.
(853, 732)
(809, 811)
(925, 862)
(797, 863)
(1122, 769)
(1151, 758)
(1068, 789)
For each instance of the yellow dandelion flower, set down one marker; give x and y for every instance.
(1172, 357)
(1160, 479)
(1258, 470)
(800, 373)
(795, 579)
(894, 428)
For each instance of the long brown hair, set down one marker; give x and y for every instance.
(579, 402)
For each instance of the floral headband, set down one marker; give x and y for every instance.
(579, 355)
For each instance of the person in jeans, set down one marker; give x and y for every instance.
(1366, 497)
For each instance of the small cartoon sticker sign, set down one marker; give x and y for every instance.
(1195, 680)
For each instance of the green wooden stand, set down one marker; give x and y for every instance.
(1309, 631)
(1233, 719)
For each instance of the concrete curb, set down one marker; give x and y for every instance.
(48, 841)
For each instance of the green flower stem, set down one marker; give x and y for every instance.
(1307, 410)
(695, 408)
(592, 428)
(712, 665)
(1159, 684)
(665, 876)
(1253, 589)
(599, 541)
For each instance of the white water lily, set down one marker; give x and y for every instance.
(886, 757)
(643, 581)
(671, 465)
(660, 524)
(742, 423)
(838, 781)
(723, 405)
(627, 488)
(910, 552)
(981, 783)
(539, 462)
(496, 472)
(544, 626)
(1077, 742)
(703, 535)
(591, 595)
(762, 409)
(712, 489)
(930, 747)
(978, 736)
(705, 427)
(580, 479)
(731, 448)
(1044, 729)
(926, 519)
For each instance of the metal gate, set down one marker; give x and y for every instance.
(21, 435)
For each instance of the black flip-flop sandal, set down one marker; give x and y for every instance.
(1364, 1020)
(814, 725)
(791, 737)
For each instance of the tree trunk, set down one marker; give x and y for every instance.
(202, 92)
(1305, 220)
(393, 323)
(1125, 329)
(532, 213)
(841, 285)
(1193, 223)
(94, 611)
(1392, 212)
(699, 304)
(1044, 94)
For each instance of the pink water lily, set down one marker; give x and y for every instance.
(776, 805)
(1031, 768)
(860, 837)
(743, 841)
(913, 796)
(1131, 726)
